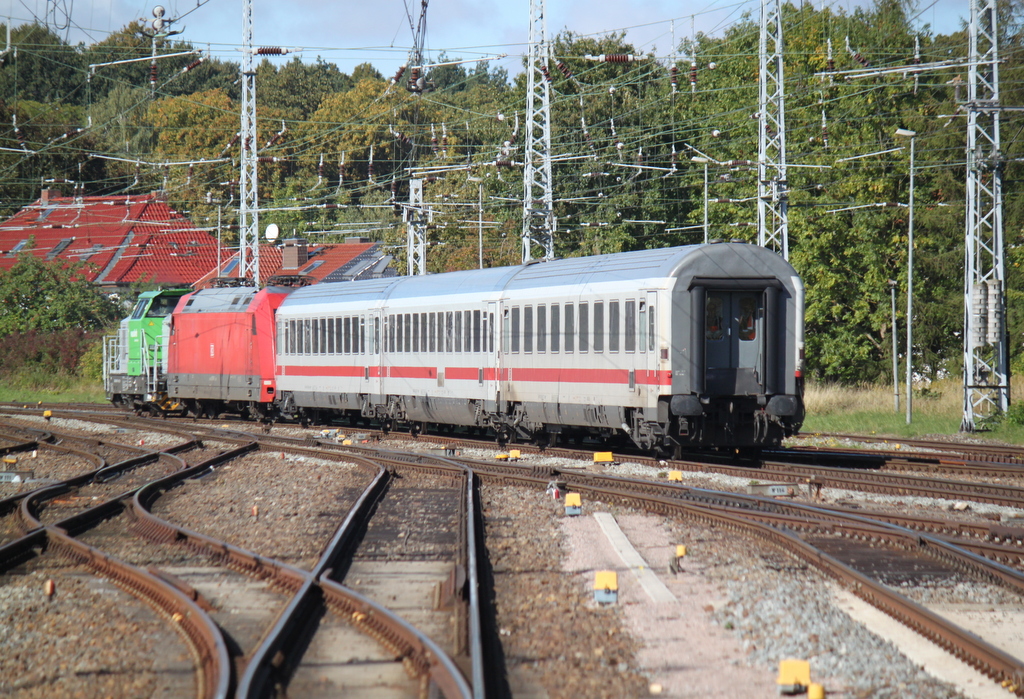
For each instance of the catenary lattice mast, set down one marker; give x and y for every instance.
(772, 194)
(986, 365)
(538, 199)
(248, 211)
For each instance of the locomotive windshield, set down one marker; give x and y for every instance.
(162, 306)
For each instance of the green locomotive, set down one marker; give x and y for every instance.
(135, 359)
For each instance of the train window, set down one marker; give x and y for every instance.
(323, 335)
(415, 332)
(515, 329)
(331, 328)
(599, 326)
(449, 334)
(650, 327)
(456, 332)
(476, 331)
(316, 336)
(390, 331)
(554, 327)
(584, 327)
(490, 332)
(423, 332)
(506, 332)
(291, 336)
(643, 326)
(542, 328)
(630, 326)
(440, 332)
(748, 318)
(362, 337)
(408, 332)
(376, 336)
(467, 316)
(432, 332)
(140, 308)
(528, 329)
(162, 306)
(307, 331)
(714, 328)
(570, 327)
(346, 336)
(613, 326)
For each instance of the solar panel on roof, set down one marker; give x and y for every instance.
(311, 267)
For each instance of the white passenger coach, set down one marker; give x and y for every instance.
(699, 345)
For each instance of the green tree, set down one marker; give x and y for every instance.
(50, 297)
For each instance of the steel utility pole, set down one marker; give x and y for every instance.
(416, 220)
(538, 199)
(986, 355)
(248, 210)
(772, 192)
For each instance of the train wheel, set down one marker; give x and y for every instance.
(415, 429)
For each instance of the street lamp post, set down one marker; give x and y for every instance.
(907, 133)
(705, 161)
(895, 357)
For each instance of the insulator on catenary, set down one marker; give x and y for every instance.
(503, 163)
(613, 58)
(544, 70)
(194, 64)
(693, 76)
(232, 142)
(673, 77)
(269, 159)
(433, 139)
(152, 74)
(565, 69)
(398, 75)
(278, 136)
(270, 51)
(857, 57)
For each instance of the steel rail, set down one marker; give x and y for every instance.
(419, 652)
(205, 640)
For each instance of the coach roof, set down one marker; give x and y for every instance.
(639, 265)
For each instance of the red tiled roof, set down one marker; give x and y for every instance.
(322, 261)
(124, 239)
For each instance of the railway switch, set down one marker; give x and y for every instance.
(794, 676)
(573, 504)
(606, 584)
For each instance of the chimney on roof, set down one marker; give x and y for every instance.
(45, 194)
(295, 253)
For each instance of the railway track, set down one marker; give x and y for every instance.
(831, 539)
(256, 669)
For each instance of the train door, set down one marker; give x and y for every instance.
(734, 342)
(374, 370)
(491, 364)
(649, 343)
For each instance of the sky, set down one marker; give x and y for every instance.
(349, 33)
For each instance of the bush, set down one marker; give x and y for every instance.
(1015, 414)
(37, 359)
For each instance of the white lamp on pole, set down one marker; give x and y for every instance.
(907, 133)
